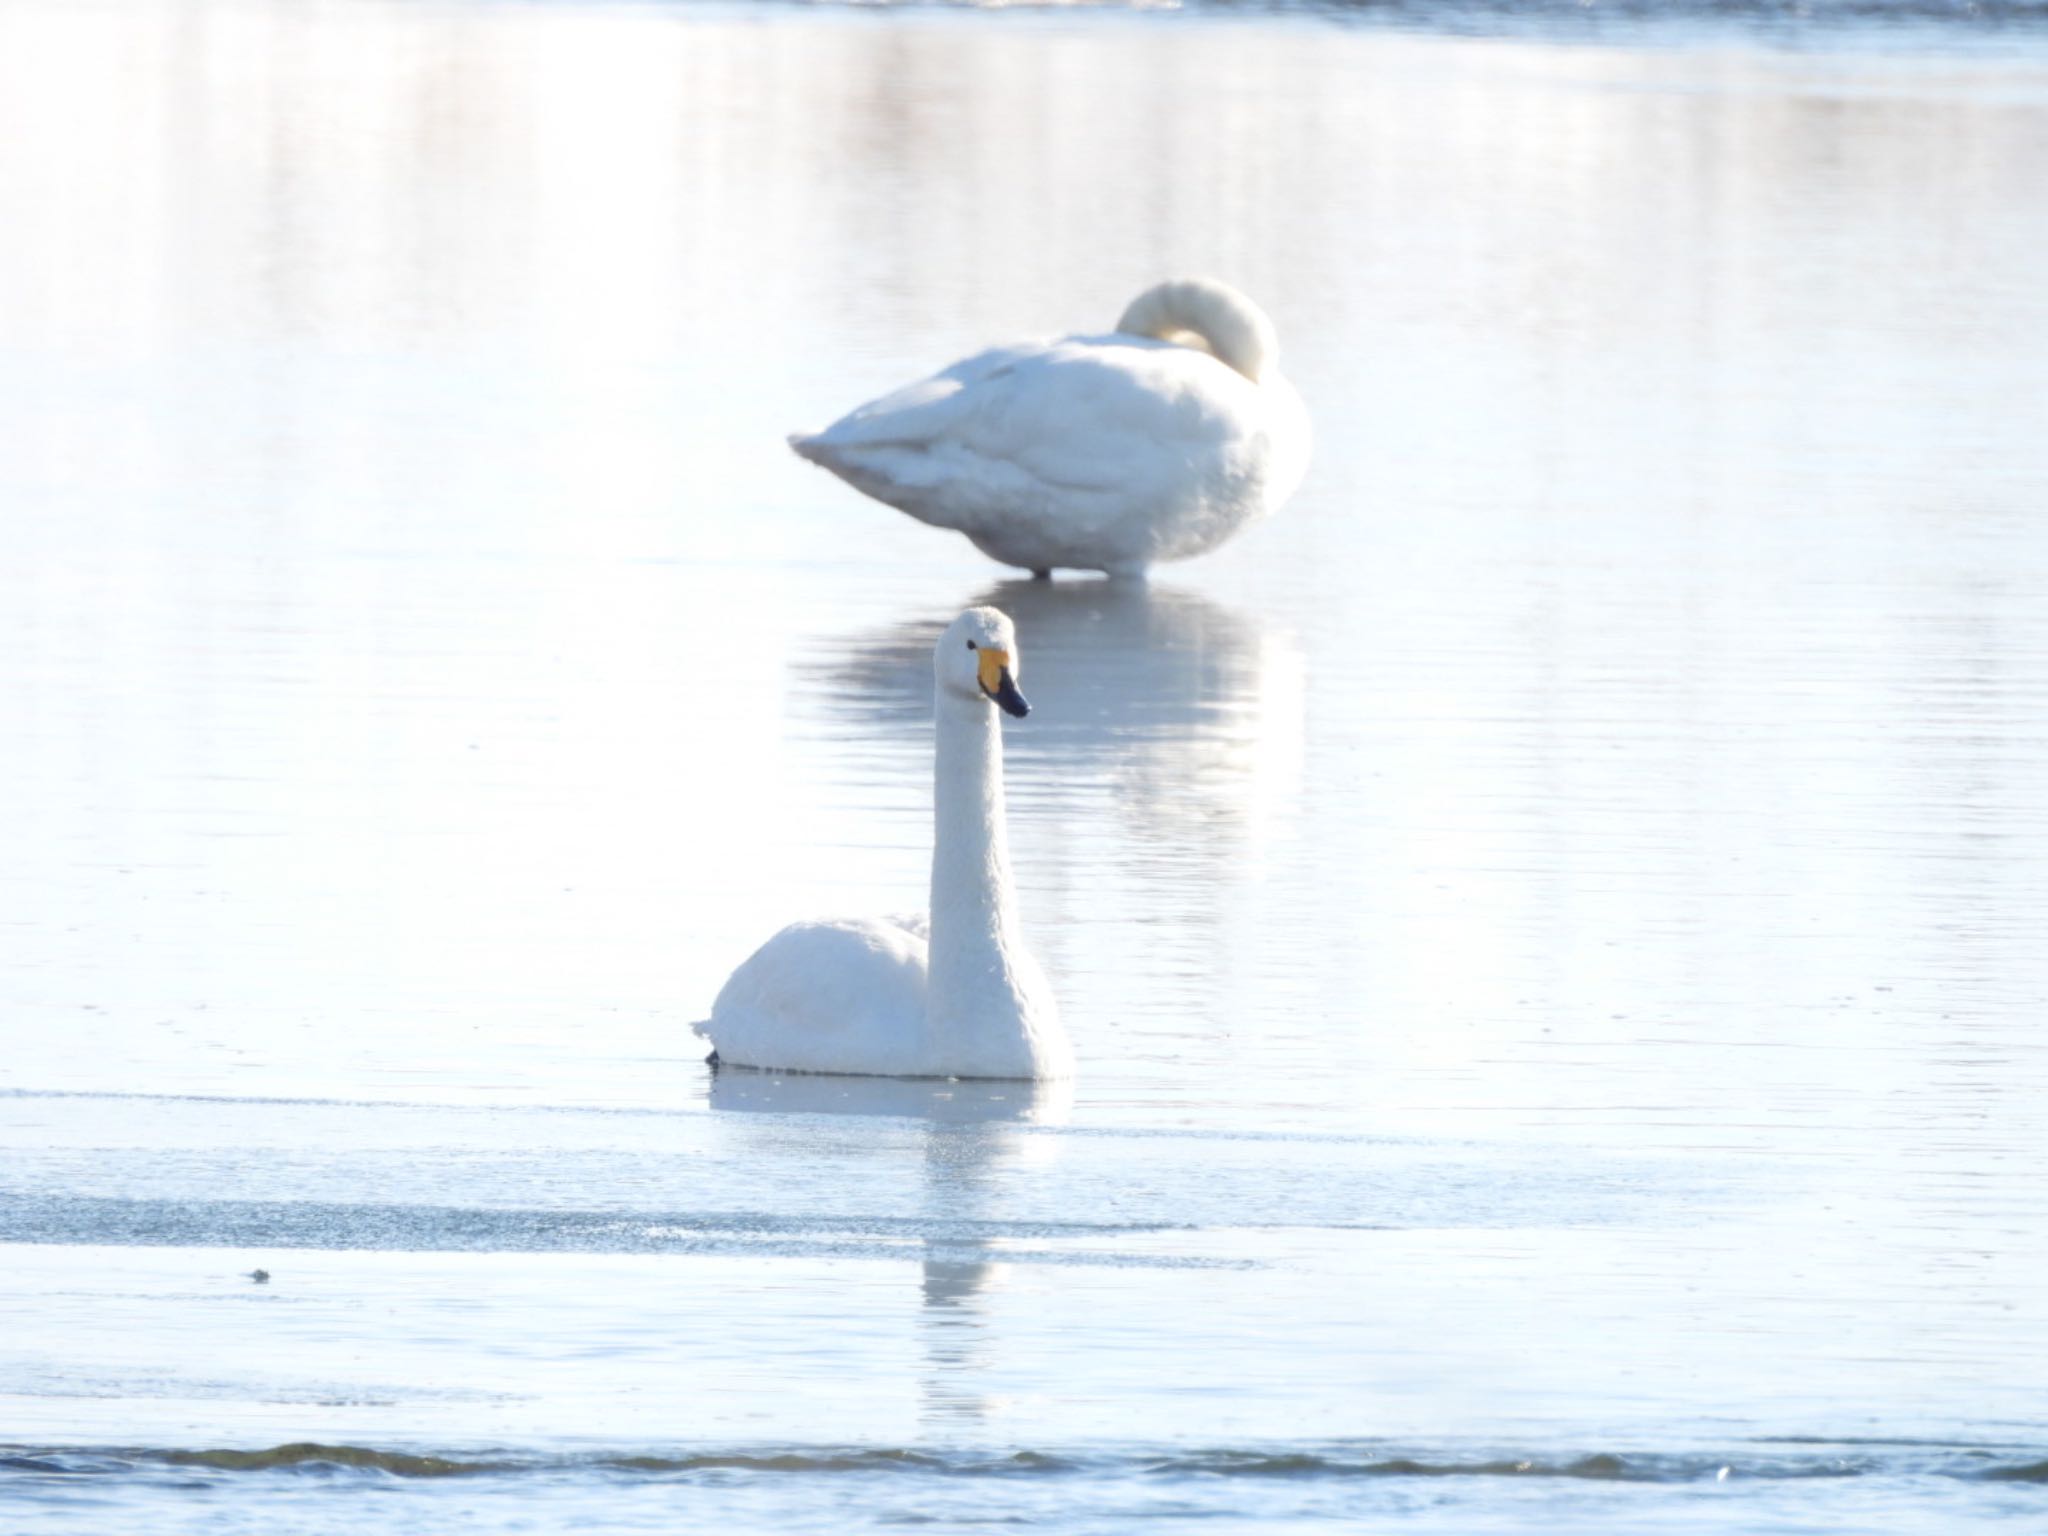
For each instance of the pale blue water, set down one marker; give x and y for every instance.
(1552, 924)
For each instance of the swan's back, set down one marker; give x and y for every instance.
(1109, 452)
(827, 997)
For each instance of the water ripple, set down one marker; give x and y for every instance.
(1839, 1460)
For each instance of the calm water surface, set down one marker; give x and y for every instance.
(1553, 923)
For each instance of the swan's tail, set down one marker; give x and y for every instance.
(1204, 312)
(830, 453)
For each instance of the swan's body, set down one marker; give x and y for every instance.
(1154, 442)
(955, 995)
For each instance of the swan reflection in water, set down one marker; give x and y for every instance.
(968, 1132)
(1186, 712)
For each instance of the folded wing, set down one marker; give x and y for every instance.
(1081, 432)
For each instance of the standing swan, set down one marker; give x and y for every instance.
(1107, 453)
(959, 996)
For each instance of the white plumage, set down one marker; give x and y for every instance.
(957, 994)
(1156, 441)
(843, 995)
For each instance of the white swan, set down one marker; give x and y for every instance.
(959, 996)
(1099, 453)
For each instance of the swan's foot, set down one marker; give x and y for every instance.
(712, 1060)
(1041, 573)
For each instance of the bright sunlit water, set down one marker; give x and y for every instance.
(1555, 924)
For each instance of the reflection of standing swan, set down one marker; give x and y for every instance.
(1102, 453)
(1118, 662)
(961, 997)
(1179, 713)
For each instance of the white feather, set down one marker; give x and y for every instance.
(1153, 442)
(955, 995)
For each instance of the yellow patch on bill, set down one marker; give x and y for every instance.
(992, 665)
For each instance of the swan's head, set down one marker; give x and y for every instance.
(976, 658)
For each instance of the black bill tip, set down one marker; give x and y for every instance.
(1007, 698)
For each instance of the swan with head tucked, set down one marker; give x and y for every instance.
(954, 995)
(1109, 453)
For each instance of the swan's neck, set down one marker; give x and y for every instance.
(976, 942)
(1210, 315)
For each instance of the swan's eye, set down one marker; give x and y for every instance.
(972, 646)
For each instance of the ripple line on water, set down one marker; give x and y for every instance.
(328, 1226)
(1962, 1463)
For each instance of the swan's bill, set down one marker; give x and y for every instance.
(997, 683)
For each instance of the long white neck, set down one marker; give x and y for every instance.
(980, 1002)
(1215, 316)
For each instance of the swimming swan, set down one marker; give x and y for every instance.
(1107, 453)
(958, 996)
